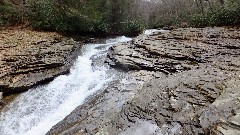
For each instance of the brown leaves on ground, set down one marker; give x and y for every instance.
(24, 37)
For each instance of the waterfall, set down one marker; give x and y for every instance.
(37, 110)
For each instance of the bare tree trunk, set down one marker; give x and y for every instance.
(22, 11)
(210, 5)
(201, 6)
(115, 14)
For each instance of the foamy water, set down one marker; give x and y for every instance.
(151, 31)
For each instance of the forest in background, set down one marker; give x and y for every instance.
(194, 13)
(117, 16)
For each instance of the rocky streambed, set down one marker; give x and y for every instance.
(183, 81)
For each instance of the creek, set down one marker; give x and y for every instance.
(37, 110)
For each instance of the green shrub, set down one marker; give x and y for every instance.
(199, 20)
(9, 15)
(87, 16)
(218, 15)
(100, 26)
(222, 16)
(68, 23)
(131, 27)
(225, 16)
(167, 21)
(44, 15)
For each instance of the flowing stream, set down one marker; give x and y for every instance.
(37, 110)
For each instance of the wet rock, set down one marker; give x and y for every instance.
(178, 99)
(25, 64)
(186, 81)
(222, 116)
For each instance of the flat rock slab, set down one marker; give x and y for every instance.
(29, 58)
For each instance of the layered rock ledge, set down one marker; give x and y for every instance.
(29, 58)
(183, 81)
(178, 50)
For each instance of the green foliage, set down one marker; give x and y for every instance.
(199, 20)
(165, 22)
(225, 16)
(228, 14)
(222, 16)
(131, 27)
(66, 16)
(116, 16)
(9, 15)
(85, 16)
(45, 16)
(99, 27)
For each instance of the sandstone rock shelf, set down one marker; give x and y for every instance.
(29, 58)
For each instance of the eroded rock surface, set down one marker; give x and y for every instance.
(178, 50)
(30, 58)
(184, 81)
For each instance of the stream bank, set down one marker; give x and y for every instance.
(30, 58)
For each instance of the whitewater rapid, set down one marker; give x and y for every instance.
(37, 110)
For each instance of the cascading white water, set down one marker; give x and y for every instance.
(151, 31)
(37, 110)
